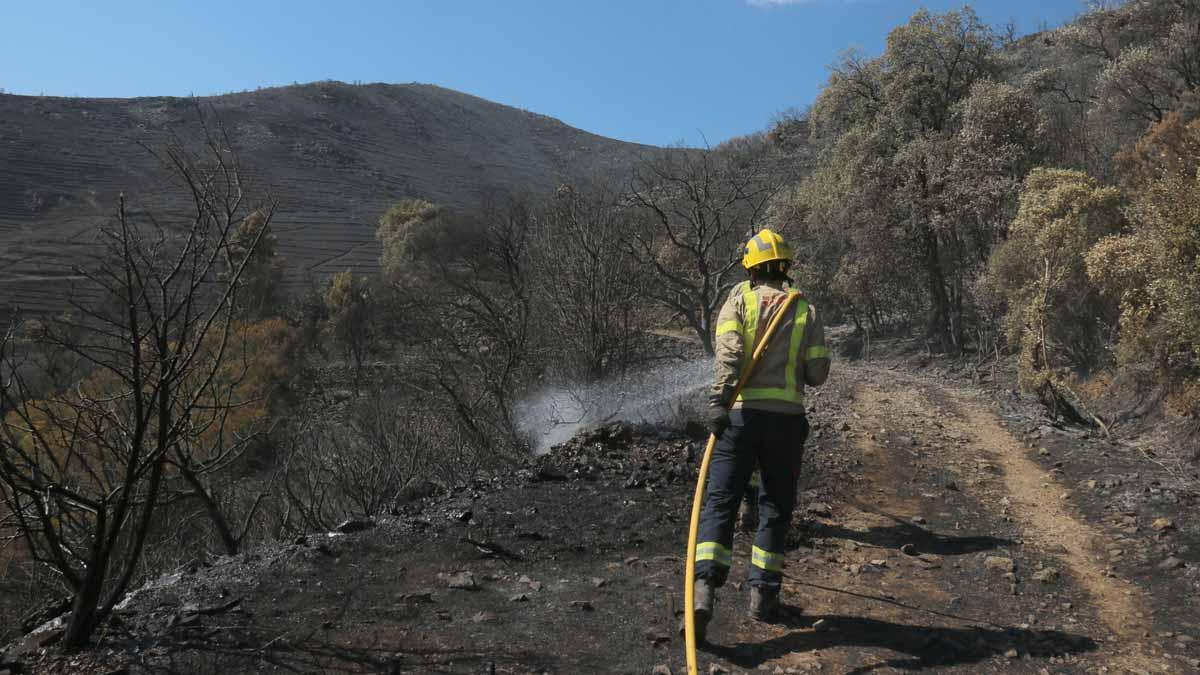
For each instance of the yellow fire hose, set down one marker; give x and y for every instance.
(689, 575)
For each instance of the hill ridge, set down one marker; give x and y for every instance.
(334, 154)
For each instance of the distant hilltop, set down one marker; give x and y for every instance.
(335, 155)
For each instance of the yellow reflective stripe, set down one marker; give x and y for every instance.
(815, 353)
(790, 392)
(801, 318)
(728, 327)
(771, 562)
(711, 550)
(772, 394)
(750, 325)
(755, 480)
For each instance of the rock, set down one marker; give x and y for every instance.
(999, 563)
(1171, 563)
(47, 612)
(354, 525)
(519, 597)
(952, 486)
(1046, 576)
(1011, 654)
(820, 509)
(598, 582)
(657, 638)
(1162, 524)
(583, 605)
(549, 473)
(717, 669)
(1043, 452)
(462, 581)
(909, 549)
(918, 520)
(50, 637)
(661, 669)
(483, 617)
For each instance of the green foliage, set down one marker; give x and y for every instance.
(349, 307)
(1153, 269)
(258, 286)
(922, 151)
(1040, 275)
(407, 231)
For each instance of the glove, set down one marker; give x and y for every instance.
(718, 419)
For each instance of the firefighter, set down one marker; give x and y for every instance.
(765, 428)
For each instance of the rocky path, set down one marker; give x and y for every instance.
(941, 528)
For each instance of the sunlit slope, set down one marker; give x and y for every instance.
(334, 155)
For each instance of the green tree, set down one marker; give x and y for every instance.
(1153, 269)
(1052, 308)
(921, 151)
(258, 286)
(406, 232)
(349, 305)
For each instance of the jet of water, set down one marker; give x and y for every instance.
(665, 395)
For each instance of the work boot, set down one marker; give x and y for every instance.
(764, 603)
(705, 596)
(748, 516)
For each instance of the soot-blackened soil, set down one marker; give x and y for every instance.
(943, 526)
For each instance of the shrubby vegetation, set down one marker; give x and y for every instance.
(1041, 189)
(148, 398)
(970, 188)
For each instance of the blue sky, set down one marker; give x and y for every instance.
(651, 71)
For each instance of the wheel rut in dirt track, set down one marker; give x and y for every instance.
(1005, 577)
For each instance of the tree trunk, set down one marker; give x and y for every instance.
(87, 595)
(938, 328)
(228, 540)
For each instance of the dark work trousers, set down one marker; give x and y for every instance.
(774, 442)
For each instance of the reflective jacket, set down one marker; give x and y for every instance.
(796, 356)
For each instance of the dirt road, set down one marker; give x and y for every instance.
(955, 551)
(942, 527)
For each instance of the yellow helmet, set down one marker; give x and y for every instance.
(765, 247)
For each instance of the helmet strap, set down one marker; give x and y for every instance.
(775, 271)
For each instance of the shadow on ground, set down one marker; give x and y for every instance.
(906, 532)
(920, 646)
